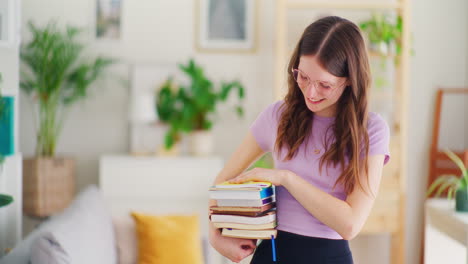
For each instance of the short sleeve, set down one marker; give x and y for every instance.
(379, 136)
(264, 128)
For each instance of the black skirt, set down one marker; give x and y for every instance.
(296, 249)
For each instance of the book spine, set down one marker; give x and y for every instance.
(7, 126)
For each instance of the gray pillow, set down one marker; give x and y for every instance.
(84, 232)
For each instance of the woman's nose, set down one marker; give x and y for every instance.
(312, 90)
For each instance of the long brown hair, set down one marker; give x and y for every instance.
(340, 49)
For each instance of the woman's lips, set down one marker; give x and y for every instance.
(315, 102)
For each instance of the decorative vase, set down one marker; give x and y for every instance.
(48, 185)
(461, 200)
(201, 143)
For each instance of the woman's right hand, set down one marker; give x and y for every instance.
(235, 249)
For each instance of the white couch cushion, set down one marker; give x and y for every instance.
(48, 250)
(83, 231)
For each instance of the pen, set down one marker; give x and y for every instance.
(273, 248)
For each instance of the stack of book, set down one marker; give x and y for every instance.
(246, 210)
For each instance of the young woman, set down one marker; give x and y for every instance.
(328, 151)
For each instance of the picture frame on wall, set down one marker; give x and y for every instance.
(7, 23)
(108, 19)
(226, 25)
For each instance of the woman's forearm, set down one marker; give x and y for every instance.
(335, 213)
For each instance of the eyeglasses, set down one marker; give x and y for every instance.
(304, 81)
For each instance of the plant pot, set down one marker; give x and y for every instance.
(201, 143)
(48, 185)
(174, 151)
(382, 48)
(461, 200)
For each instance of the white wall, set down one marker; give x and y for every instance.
(152, 32)
(157, 31)
(440, 42)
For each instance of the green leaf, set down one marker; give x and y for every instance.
(5, 200)
(439, 182)
(458, 162)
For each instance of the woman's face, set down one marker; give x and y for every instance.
(320, 88)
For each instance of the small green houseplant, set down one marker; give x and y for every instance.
(382, 33)
(188, 108)
(453, 184)
(4, 199)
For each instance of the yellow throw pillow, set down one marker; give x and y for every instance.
(169, 239)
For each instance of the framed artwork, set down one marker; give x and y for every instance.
(108, 18)
(7, 22)
(226, 25)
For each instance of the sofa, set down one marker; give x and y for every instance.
(86, 232)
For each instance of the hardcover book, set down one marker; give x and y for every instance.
(245, 202)
(271, 225)
(249, 234)
(240, 219)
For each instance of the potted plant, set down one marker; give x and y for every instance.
(188, 108)
(453, 184)
(383, 34)
(4, 199)
(55, 76)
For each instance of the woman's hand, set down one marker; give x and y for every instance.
(235, 249)
(276, 177)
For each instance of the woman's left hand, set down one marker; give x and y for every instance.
(276, 177)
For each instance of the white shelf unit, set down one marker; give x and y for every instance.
(11, 178)
(11, 215)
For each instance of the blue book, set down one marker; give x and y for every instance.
(241, 193)
(7, 142)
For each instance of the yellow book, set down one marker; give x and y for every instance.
(248, 184)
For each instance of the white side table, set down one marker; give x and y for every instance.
(442, 217)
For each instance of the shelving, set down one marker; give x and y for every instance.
(11, 176)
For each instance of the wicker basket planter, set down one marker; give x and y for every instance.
(48, 185)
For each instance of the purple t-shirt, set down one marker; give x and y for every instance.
(291, 215)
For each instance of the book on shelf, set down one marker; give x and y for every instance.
(249, 234)
(245, 202)
(270, 225)
(240, 219)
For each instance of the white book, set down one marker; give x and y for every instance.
(245, 202)
(241, 193)
(240, 219)
(271, 225)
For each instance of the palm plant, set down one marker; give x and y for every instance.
(56, 77)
